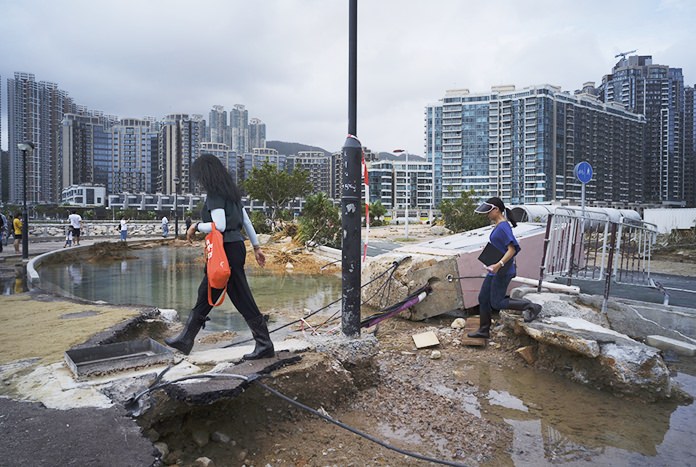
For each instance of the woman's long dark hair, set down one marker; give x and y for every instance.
(214, 177)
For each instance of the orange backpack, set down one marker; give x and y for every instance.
(217, 266)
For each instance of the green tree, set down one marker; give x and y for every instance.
(320, 222)
(459, 215)
(377, 212)
(276, 188)
(260, 221)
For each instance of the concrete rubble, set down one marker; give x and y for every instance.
(573, 338)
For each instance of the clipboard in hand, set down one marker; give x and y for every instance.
(491, 255)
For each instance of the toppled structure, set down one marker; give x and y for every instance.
(450, 265)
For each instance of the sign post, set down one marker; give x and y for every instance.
(583, 172)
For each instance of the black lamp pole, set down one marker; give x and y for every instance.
(350, 197)
(25, 147)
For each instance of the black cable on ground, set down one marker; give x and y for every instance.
(255, 379)
(395, 308)
(391, 269)
(355, 430)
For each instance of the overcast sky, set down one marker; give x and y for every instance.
(287, 60)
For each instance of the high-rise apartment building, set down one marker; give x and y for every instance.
(318, 167)
(689, 147)
(133, 166)
(657, 92)
(399, 184)
(433, 146)
(35, 111)
(85, 150)
(180, 137)
(4, 179)
(239, 129)
(219, 131)
(522, 145)
(257, 134)
(260, 156)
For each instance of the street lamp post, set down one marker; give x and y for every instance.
(176, 209)
(408, 190)
(26, 147)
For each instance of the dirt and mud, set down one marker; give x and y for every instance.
(432, 405)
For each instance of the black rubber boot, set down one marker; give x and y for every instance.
(530, 310)
(484, 327)
(264, 345)
(184, 341)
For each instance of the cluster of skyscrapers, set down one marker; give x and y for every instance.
(77, 146)
(636, 128)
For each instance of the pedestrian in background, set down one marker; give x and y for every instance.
(76, 223)
(124, 229)
(68, 236)
(165, 226)
(17, 228)
(3, 231)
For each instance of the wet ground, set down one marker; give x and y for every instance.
(474, 406)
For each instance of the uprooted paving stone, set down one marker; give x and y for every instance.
(574, 339)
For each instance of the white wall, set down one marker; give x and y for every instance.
(670, 219)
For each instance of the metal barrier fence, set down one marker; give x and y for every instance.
(592, 246)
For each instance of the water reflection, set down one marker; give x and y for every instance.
(556, 421)
(169, 278)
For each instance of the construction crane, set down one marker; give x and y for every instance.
(623, 54)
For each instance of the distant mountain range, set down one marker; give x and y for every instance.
(293, 148)
(387, 156)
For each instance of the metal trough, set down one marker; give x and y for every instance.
(91, 361)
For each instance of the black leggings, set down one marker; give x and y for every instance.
(237, 286)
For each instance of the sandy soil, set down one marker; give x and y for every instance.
(44, 327)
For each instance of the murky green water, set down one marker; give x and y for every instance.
(169, 278)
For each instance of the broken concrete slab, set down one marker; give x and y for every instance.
(590, 353)
(676, 346)
(225, 383)
(640, 319)
(236, 353)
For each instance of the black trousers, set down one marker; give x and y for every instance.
(237, 287)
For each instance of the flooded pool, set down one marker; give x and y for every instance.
(169, 278)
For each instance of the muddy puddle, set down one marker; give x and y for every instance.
(555, 421)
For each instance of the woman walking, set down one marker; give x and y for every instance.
(493, 291)
(223, 207)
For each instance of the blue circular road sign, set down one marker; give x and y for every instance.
(583, 171)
